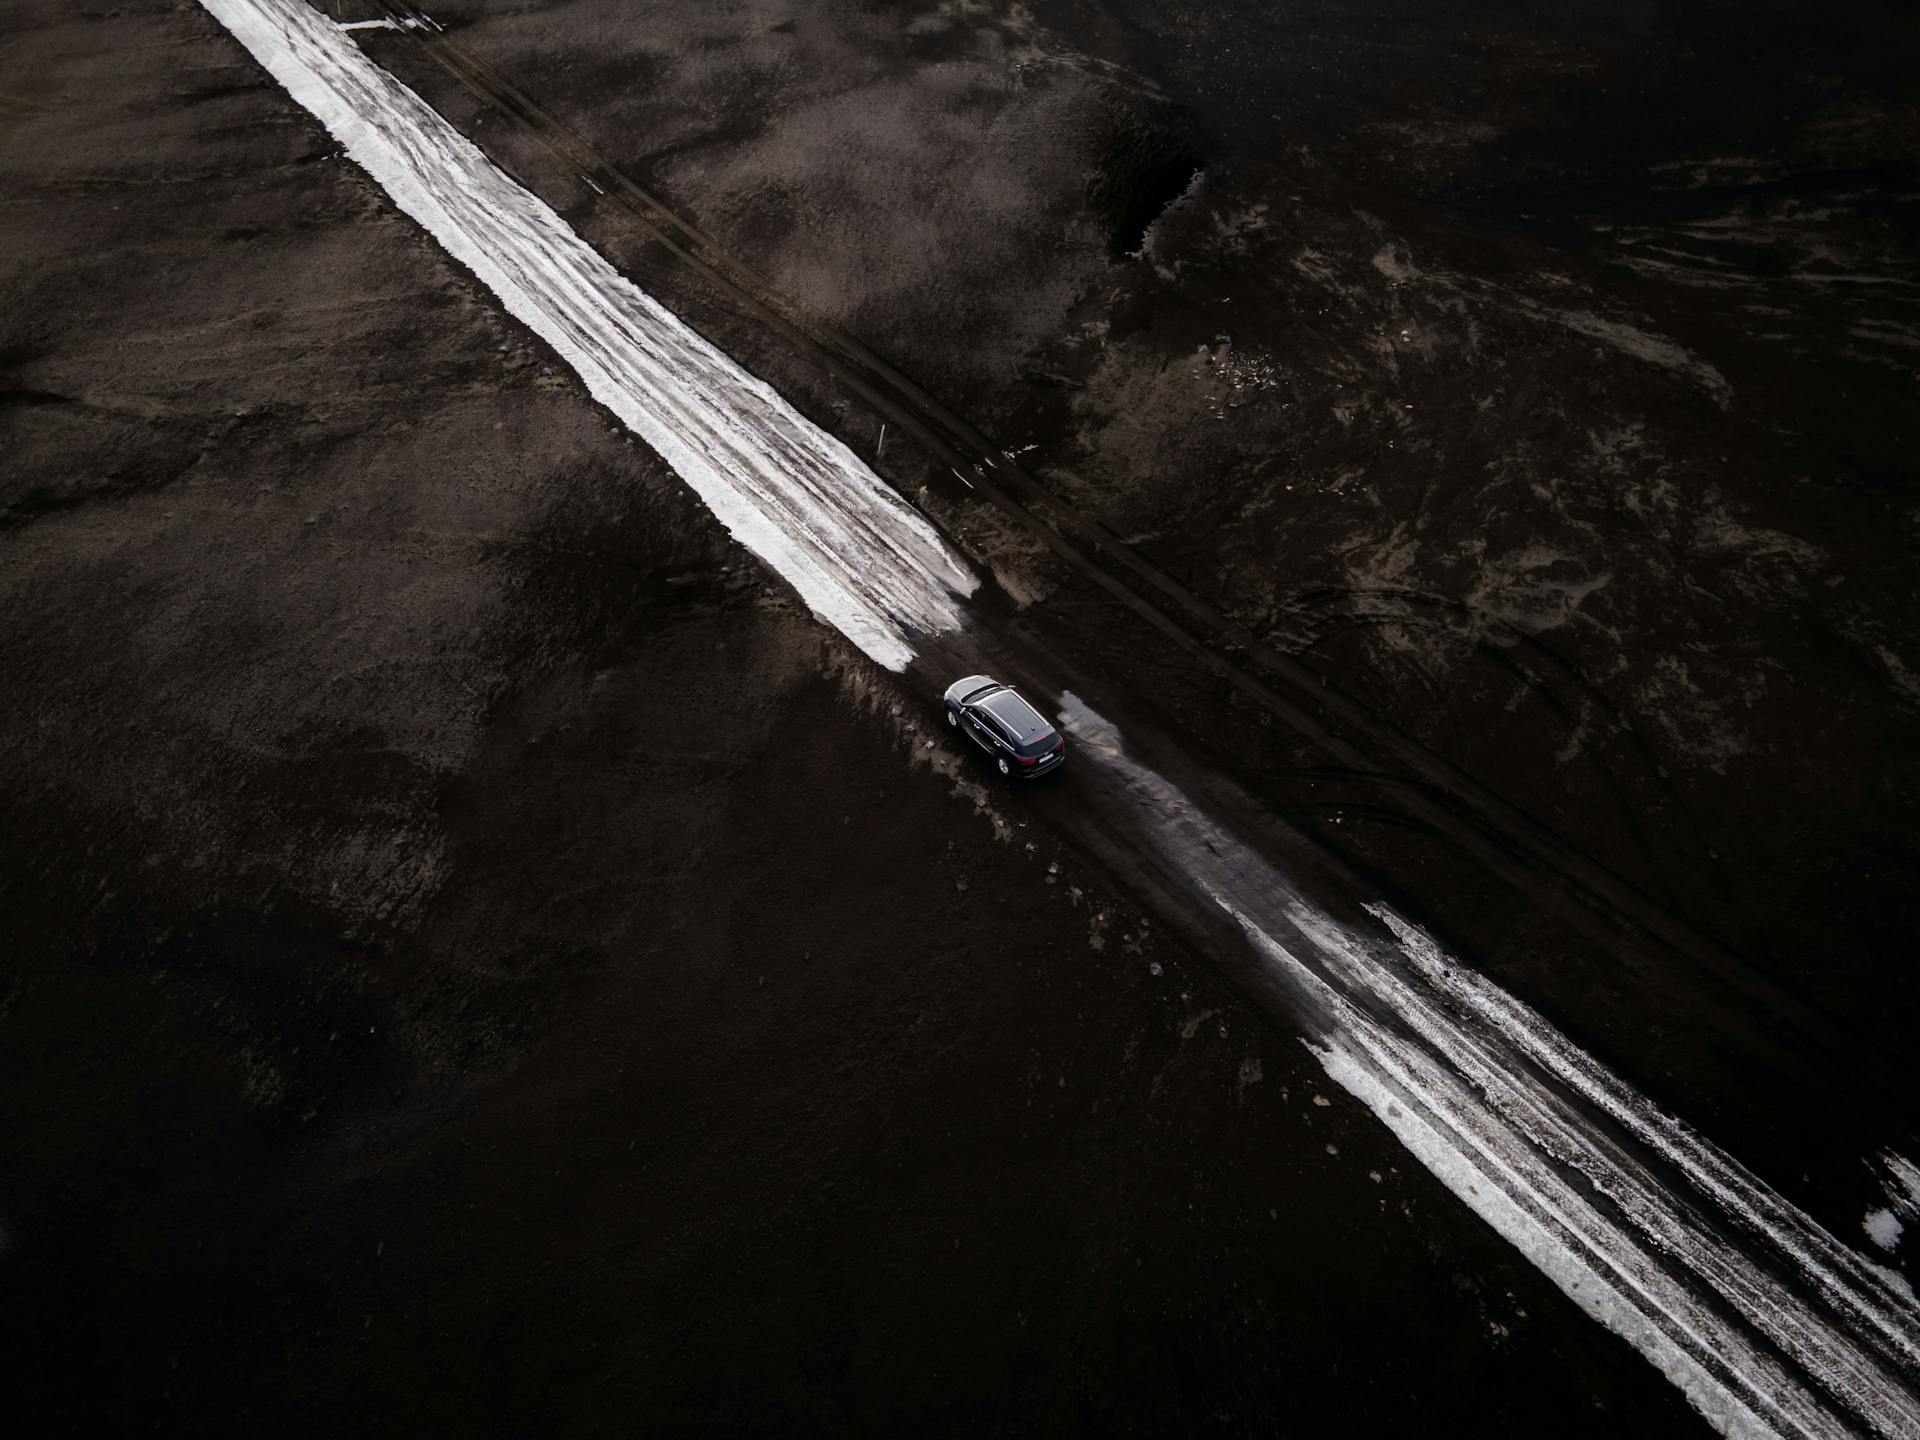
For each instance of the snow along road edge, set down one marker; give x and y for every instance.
(1788, 1334)
(865, 562)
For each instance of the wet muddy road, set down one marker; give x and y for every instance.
(375, 683)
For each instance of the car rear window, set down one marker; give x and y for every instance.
(1040, 744)
(1023, 724)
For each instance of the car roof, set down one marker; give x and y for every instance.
(1020, 718)
(974, 688)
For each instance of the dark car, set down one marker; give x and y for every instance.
(1022, 742)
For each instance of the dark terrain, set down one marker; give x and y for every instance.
(484, 958)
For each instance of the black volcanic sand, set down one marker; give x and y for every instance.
(1545, 382)
(484, 959)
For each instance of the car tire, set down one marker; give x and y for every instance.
(953, 718)
(1005, 768)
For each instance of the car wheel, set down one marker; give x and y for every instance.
(1005, 769)
(953, 718)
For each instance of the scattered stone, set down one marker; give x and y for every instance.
(1322, 1101)
(1154, 968)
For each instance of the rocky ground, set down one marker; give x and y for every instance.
(486, 958)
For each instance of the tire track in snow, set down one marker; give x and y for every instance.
(1767, 1323)
(863, 560)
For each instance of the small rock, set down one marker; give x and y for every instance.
(1154, 968)
(1322, 1101)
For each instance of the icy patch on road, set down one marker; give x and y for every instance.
(863, 560)
(1768, 1324)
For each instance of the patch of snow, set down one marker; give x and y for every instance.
(1883, 1227)
(863, 560)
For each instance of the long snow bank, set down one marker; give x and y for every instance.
(863, 560)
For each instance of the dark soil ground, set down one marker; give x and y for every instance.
(483, 958)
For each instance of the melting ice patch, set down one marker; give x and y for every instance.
(1767, 1323)
(1900, 1179)
(862, 559)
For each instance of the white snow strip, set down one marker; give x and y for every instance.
(350, 25)
(1873, 1299)
(863, 560)
(1548, 1223)
(1714, 1279)
(1883, 1227)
